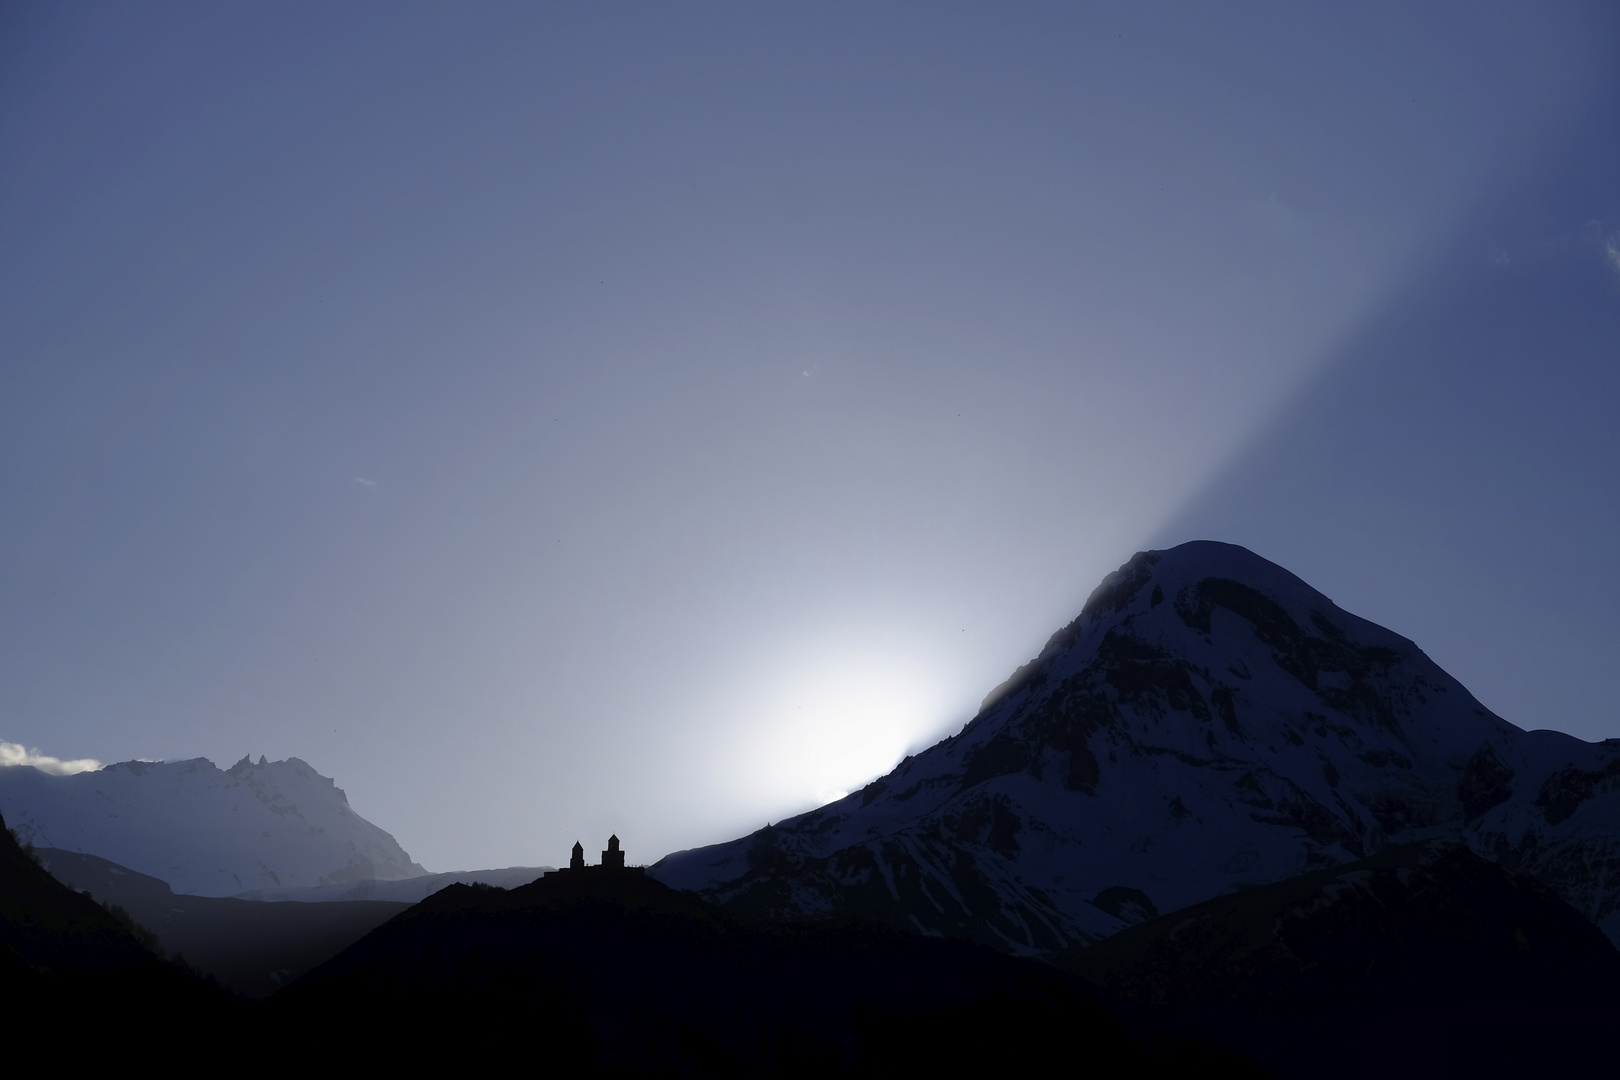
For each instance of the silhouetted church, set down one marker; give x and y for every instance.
(612, 859)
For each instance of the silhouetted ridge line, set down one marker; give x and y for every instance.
(612, 860)
(617, 974)
(73, 973)
(1422, 953)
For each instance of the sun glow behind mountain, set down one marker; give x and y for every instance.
(825, 719)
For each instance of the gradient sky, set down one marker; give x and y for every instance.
(556, 419)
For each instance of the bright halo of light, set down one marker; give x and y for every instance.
(828, 720)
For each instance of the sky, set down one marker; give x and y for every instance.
(550, 420)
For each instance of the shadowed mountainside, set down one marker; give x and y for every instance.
(251, 947)
(1424, 960)
(70, 970)
(616, 973)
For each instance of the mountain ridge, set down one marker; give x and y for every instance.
(203, 830)
(1208, 721)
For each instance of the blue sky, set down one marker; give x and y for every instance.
(555, 420)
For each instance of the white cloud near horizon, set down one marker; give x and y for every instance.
(16, 754)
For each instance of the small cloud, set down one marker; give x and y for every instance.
(1500, 258)
(15, 754)
(1594, 234)
(1594, 237)
(361, 480)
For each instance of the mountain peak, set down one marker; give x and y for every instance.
(1207, 722)
(206, 831)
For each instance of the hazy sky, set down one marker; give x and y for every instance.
(550, 420)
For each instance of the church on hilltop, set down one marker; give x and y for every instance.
(612, 859)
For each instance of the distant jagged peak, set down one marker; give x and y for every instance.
(245, 764)
(286, 769)
(206, 830)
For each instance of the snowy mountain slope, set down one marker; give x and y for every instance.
(206, 831)
(1208, 722)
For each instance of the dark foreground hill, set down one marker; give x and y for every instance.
(1423, 961)
(70, 970)
(251, 947)
(598, 973)
(614, 973)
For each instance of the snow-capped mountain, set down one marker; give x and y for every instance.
(1208, 722)
(206, 831)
